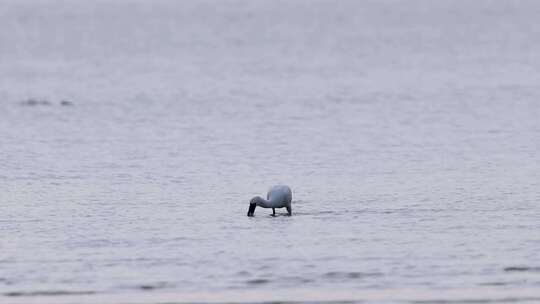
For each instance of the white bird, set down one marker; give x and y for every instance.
(279, 196)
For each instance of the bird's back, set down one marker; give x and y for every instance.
(280, 194)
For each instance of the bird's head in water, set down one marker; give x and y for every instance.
(253, 204)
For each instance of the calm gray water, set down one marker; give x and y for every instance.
(409, 132)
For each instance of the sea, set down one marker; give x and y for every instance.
(134, 133)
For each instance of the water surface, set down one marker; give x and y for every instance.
(133, 134)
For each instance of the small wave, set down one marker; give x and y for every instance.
(243, 273)
(297, 280)
(148, 287)
(32, 102)
(35, 102)
(522, 269)
(493, 284)
(47, 293)
(258, 281)
(350, 274)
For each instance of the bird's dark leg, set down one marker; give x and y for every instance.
(289, 210)
(274, 211)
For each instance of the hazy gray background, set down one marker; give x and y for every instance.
(409, 132)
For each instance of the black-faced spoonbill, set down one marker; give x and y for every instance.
(278, 197)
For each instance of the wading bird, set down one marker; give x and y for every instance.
(279, 196)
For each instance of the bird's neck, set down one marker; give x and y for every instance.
(261, 202)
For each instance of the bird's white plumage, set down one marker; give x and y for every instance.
(279, 196)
